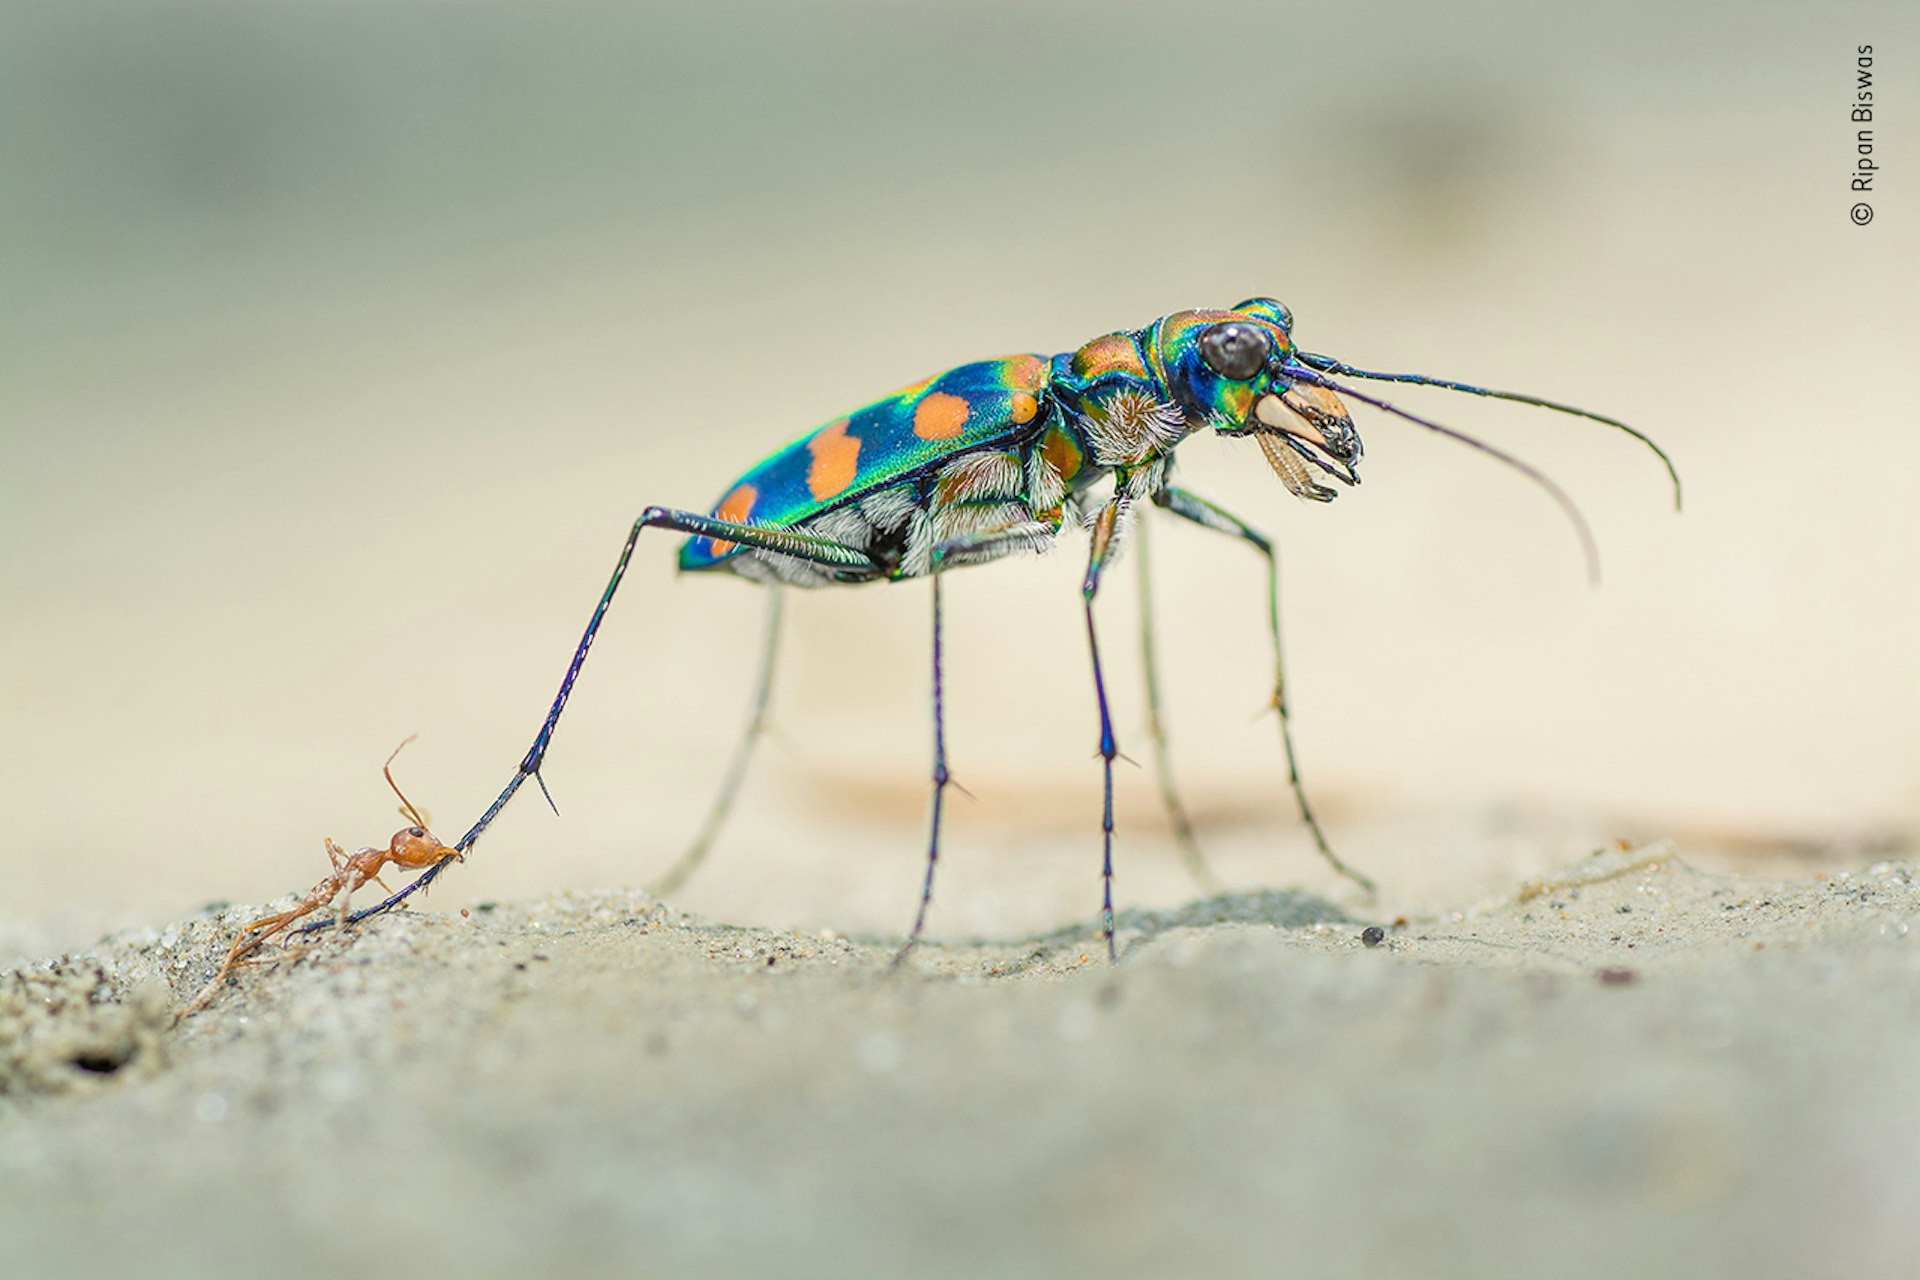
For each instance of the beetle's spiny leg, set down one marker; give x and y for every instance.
(1191, 507)
(941, 779)
(777, 541)
(1106, 543)
(960, 550)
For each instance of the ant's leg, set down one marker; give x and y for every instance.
(737, 768)
(853, 563)
(1208, 516)
(1196, 862)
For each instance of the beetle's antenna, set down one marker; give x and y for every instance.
(1327, 364)
(1554, 491)
(406, 805)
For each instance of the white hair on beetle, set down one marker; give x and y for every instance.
(977, 476)
(1131, 426)
(888, 509)
(847, 524)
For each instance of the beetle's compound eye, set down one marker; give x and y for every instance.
(417, 833)
(1235, 350)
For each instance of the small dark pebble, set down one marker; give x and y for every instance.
(1373, 935)
(769, 962)
(1617, 977)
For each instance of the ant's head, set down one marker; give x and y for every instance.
(416, 846)
(413, 846)
(1235, 372)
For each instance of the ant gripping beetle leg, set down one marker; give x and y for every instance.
(412, 847)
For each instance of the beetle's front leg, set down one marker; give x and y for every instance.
(1207, 515)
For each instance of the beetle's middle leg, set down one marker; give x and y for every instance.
(1108, 526)
(757, 722)
(1208, 516)
(967, 549)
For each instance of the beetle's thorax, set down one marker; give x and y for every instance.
(1117, 403)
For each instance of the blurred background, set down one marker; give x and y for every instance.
(339, 345)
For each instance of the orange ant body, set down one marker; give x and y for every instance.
(412, 848)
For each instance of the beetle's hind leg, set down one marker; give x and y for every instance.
(757, 722)
(848, 561)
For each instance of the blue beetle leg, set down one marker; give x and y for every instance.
(941, 778)
(800, 546)
(1196, 862)
(757, 722)
(854, 563)
(1105, 545)
(1208, 516)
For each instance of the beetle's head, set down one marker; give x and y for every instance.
(1235, 371)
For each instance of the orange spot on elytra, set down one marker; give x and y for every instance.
(734, 509)
(835, 459)
(1023, 407)
(738, 505)
(940, 416)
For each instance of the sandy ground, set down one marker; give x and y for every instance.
(1629, 1067)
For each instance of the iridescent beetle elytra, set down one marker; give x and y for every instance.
(994, 458)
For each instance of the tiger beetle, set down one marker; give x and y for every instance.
(994, 458)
